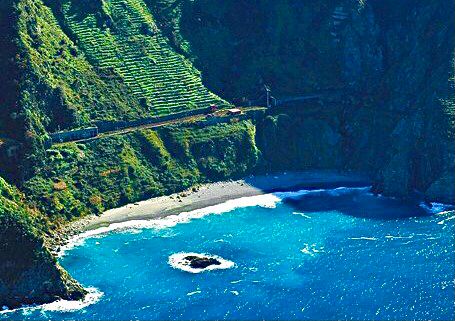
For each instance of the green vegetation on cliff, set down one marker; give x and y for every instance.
(76, 62)
(59, 88)
(79, 179)
(59, 73)
(29, 273)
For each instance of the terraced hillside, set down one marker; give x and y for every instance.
(121, 36)
(58, 87)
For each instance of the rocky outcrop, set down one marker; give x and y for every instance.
(397, 60)
(443, 189)
(197, 262)
(28, 272)
(417, 90)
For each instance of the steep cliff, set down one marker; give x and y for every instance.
(393, 60)
(29, 273)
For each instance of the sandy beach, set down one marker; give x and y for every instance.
(216, 193)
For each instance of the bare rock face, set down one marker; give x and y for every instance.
(401, 56)
(394, 61)
(42, 282)
(442, 190)
(397, 58)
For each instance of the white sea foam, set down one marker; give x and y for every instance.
(193, 293)
(177, 261)
(366, 238)
(393, 237)
(301, 214)
(437, 208)
(235, 282)
(306, 251)
(265, 200)
(92, 297)
(311, 250)
(333, 192)
(447, 219)
(440, 209)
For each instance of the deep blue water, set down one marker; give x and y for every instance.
(326, 255)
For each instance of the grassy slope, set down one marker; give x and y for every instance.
(83, 61)
(74, 71)
(62, 82)
(120, 39)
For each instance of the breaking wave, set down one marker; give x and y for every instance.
(436, 208)
(92, 297)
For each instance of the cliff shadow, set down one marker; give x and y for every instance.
(356, 202)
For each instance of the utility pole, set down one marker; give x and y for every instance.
(268, 94)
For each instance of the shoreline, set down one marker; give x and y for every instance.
(208, 195)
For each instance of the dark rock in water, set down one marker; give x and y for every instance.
(197, 262)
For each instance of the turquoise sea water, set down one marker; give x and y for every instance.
(316, 255)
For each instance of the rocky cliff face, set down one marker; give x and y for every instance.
(407, 59)
(394, 61)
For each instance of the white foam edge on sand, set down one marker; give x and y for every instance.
(265, 200)
(92, 297)
(177, 261)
